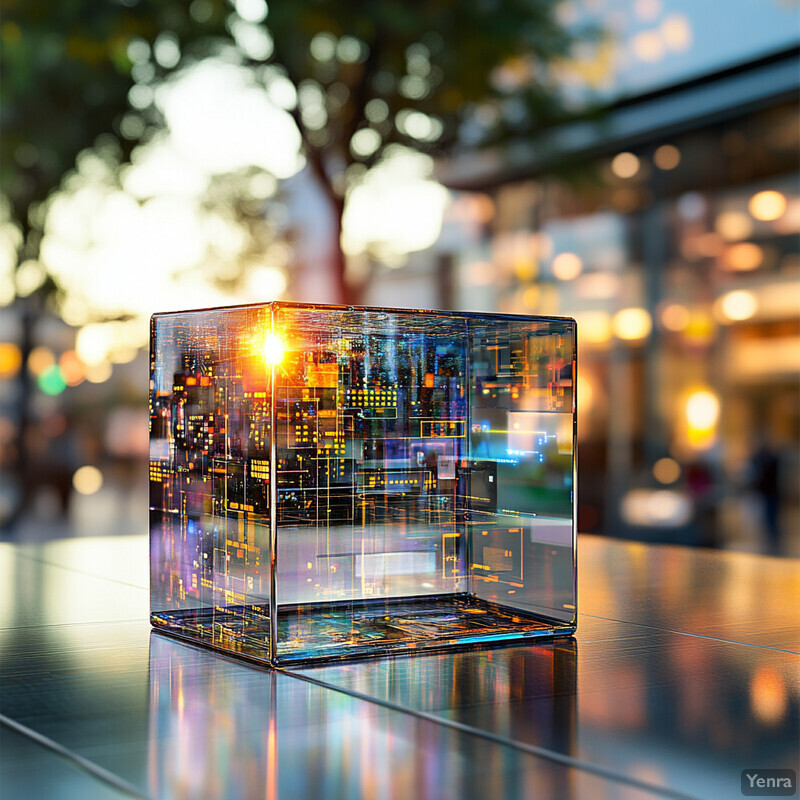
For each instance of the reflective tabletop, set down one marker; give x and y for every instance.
(683, 672)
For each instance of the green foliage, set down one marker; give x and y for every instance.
(358, 79)
(67, 68)
(427, 74)
(432, 75)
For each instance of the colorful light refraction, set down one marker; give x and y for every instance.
(329, 482)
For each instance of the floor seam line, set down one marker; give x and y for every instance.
(81, 571)
(73, 624)
(688, 633)
(85, 764)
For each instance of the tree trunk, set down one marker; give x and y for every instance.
(337, 258)
(347, 293)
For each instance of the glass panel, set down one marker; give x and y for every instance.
(519, 515)
(424, 460)
(209, 477)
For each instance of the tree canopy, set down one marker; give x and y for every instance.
(68, 69)
(432, 75)
(357, 78)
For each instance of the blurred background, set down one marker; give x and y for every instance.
(632, 163)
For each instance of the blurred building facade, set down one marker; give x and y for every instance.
(669, 229)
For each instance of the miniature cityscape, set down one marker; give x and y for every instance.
(423, 481)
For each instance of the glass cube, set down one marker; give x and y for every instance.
(330, 482)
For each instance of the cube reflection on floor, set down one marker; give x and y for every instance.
(330, 482)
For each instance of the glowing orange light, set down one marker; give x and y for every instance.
(744, 256)
(10, 360)
(40, 359)
(768, 695)
(72, 368)
(273, 349)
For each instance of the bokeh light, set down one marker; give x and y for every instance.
(648, 46)
(700, 330)
(531, 297)
(266, 283)
(87, 480)
(98, 373)
(743, 257)
(691, 206)
(675, 317)
(51, 380)
(625, 165)
(10, 359)
(655, 508)
(567, 266)
(666, 470)
(767, 206)
(736, 306)
(676, 31)
(91, 344)
(702, 410)
(598, 285)
(647, 10)
(396, 209)
(40, 359)
(594, 327)
(632, 323)
(733, 225)
(667, 157)
(72, 368)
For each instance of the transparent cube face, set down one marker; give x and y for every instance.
(331, 482)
